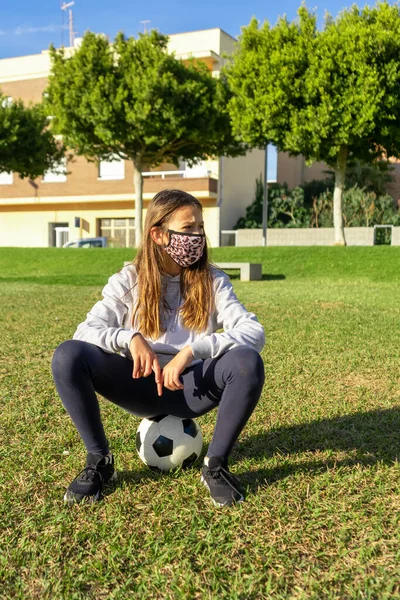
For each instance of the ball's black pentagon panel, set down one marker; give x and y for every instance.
(138, 441)
(189, 460)
(163, 446)
(189, 427)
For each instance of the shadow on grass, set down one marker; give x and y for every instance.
(370, 437)
(265, 277)
(146, 474)
(277, 277)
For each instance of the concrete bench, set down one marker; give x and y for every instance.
(248, 271)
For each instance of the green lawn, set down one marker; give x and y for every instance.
(319, 456)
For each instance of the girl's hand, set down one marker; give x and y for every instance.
(145, 361)
(175, 367)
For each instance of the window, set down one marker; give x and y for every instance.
(200, 170)
(112, 169)
(92, 244)
(120, 233)
(272, 164)
(89, 245)
(7, 101)
(6, 178)
(54, 233)
(57, 175)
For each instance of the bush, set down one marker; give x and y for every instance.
(311, 205)
(360, 209)
(365, 209)
(285, 208)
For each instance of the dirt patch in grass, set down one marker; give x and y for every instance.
(331, 305)
(372, 382)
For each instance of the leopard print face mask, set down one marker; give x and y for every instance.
(185, 248)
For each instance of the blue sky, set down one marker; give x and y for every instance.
(28, 27)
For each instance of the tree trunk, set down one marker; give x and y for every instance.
(138, 185)
(340, 171)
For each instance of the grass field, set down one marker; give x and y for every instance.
(319, 456)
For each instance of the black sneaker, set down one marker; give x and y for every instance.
(223, 486)
(89, 483)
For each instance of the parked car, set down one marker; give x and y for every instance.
(97, 242)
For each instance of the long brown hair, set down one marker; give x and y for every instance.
(195, 281)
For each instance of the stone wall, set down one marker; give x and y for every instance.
(324, 236)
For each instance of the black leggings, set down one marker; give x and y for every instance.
(233, 382)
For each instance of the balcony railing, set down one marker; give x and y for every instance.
(186, 174)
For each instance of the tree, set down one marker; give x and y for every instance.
(27, 146)
(134, 100)
(328, 95)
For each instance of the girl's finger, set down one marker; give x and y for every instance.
(176, 381)
(147, 367)
(159, 376)
(137, 367)
(166, 380)
(170, 382)
(171, 386)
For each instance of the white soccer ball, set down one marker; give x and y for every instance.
(166, 442)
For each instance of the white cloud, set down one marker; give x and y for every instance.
(27, 30)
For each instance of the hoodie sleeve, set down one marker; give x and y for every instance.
(241, 328)
(104, 324)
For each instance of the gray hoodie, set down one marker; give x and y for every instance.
(109, 323)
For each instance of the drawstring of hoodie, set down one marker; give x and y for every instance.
(175, 317)
(174, 308)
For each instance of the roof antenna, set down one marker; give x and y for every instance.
(64, 6)
(144, 23)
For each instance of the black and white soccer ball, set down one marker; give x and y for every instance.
(167, 442)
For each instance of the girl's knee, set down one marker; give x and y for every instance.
(66, 355)
(247, 361)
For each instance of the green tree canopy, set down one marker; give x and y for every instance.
(328, 95)
(27, 147)
(134, 100)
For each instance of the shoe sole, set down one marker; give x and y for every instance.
(220, 504)
(69, 498)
